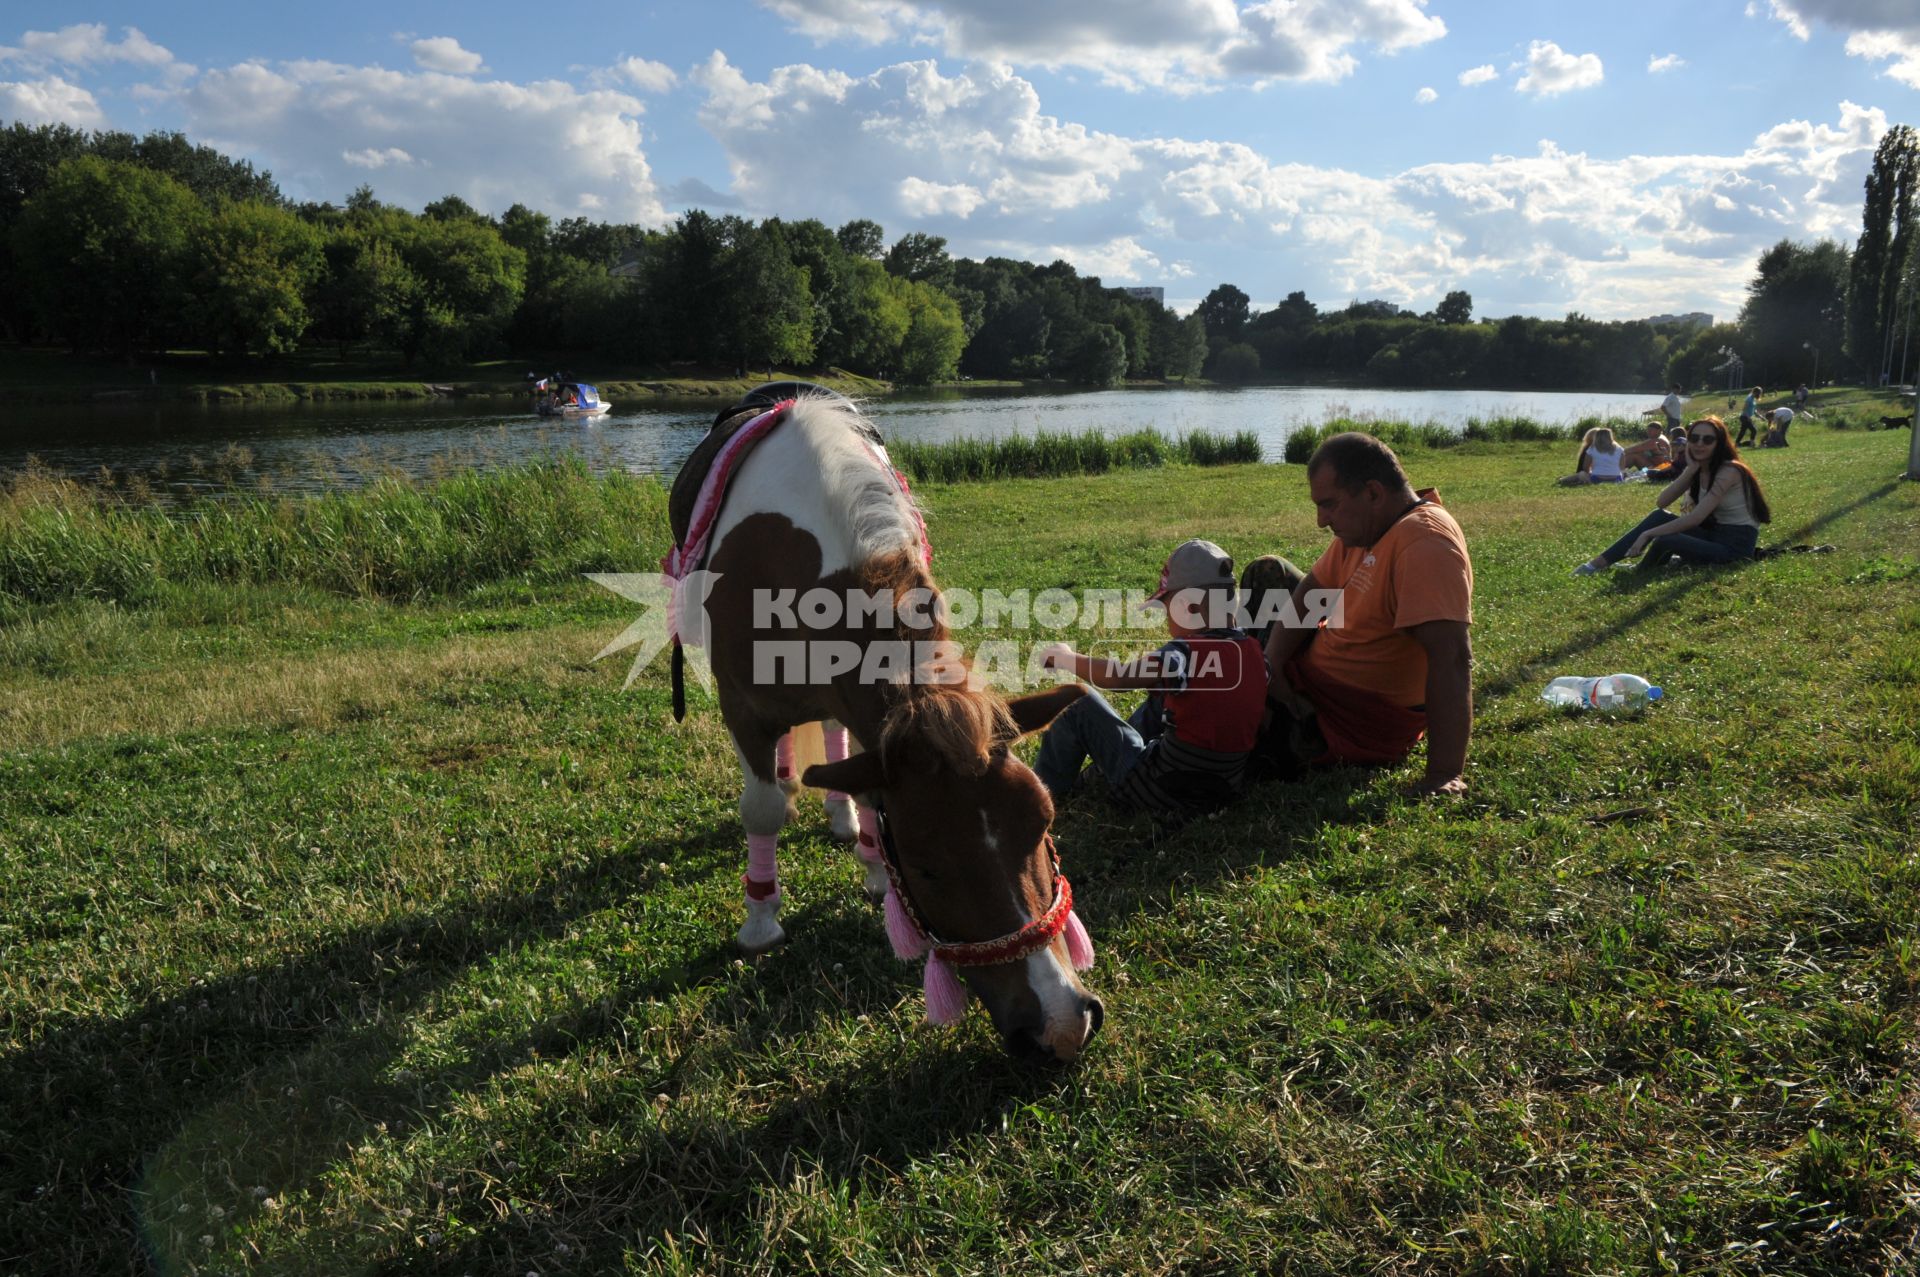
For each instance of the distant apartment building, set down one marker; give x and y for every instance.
(1692, 319)
(1147, 294)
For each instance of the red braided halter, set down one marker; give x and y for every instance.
(1013, 946)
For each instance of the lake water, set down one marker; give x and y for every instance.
(183, 450)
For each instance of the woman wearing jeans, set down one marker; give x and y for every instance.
(1725, 509)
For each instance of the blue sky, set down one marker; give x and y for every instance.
(1620, 160)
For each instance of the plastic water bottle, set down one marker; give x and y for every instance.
(1611, 693)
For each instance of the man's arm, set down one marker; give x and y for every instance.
(1284, 640)
(1449, 704)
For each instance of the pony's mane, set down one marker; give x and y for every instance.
(955, 719)
(877, 517)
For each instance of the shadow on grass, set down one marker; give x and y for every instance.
(270, 1078)
(1812, 526)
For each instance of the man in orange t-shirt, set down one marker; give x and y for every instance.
(1399, 663)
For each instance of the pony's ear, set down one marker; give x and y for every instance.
(861, 774)
(1035, 711)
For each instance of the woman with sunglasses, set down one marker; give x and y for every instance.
(1726, 507)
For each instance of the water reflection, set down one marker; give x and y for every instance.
(181, 451)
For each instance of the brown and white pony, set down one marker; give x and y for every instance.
(816, 505)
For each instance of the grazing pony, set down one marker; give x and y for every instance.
(820, 607)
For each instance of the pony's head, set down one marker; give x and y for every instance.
(967, 823)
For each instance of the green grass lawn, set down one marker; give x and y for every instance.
(352, 920)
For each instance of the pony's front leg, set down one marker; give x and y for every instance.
(868, 847)
(841, 821)
(854, 822)
(763, 810)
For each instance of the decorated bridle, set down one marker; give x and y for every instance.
(912, 938)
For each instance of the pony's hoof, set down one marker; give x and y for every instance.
(842, 820)
(876, 884)
(761, 931)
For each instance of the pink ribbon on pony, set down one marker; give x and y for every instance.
(683, 559)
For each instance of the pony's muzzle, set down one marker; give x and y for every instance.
(1058, 1044)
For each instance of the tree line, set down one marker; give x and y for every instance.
(122, 245)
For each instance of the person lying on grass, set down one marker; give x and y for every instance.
(1184, 751)
(1722, 523)
(1396, 664)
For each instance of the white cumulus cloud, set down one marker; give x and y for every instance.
(1477, 75)
(50, 101)
(1425, 96)
(1876, 30)
(1877, 46)
(443, 53)
(648, 77)
(1552, 70)
(371, 158)
(84, 44)
(974, 156)
(931, 199)
(1665, 62)
(1176, 44)
(319, 127)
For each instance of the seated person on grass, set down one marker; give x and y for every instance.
(1651, 452)
(1184, 751)
(1395, 661)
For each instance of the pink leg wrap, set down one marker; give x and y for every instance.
(763, 872)
(783, 757)
(869, 842)
(836, 742)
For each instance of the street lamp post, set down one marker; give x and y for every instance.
(1807, 345)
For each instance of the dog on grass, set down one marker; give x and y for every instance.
(1897, 423)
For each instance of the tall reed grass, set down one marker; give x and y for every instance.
(1046, 454)
(1403, 436)
(396, 539)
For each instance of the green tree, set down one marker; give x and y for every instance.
(253, 266)
(470, 280)
(201, 169)
(921, 257)
(1098, 357)
(367, 288)
(935, 335)
(451, 208)
(1236, 363)
(766, 307)
(1225, 312)
(1880, 257)
(1455, 308)
(1188, 353)
(861, 238)
(104, 252)
(1797, 296)
(28, 157)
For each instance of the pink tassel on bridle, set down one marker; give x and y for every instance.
(1079, 943)
(946, 996)
(909, 942)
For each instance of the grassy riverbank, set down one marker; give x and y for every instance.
(355, 920)
(37, 375)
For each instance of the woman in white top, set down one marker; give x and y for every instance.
(1722, 523)
(1598, 460)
